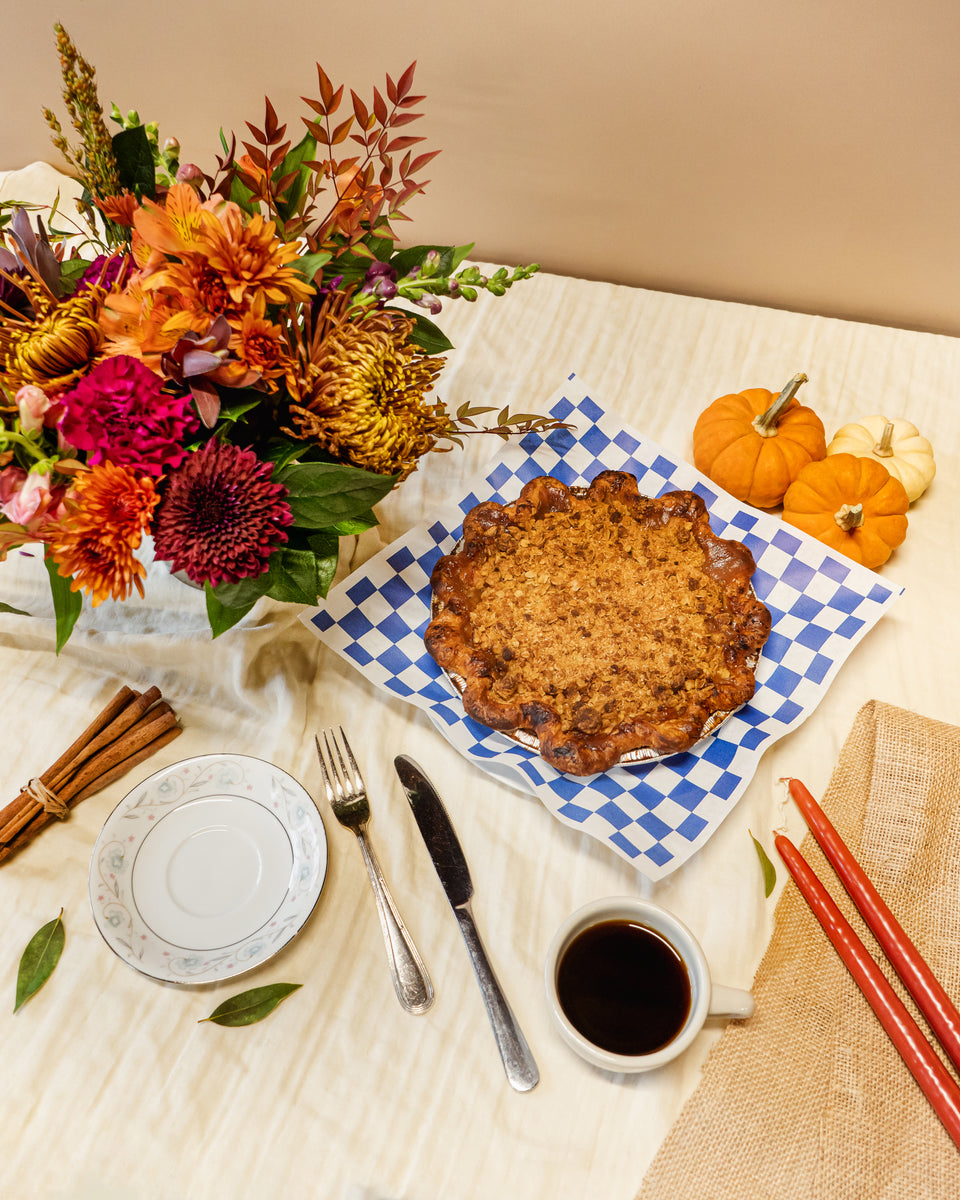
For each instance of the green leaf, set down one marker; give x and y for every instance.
(354, 525)
(10, 609)
(70, 273)
(309, 264)
(232, 409)
(224, 616)
(240, 194)
(247, 1008)
(135, 165)
(279, 451)
(39, 959)
(450, 258)
(295, 160)
(321, 494)
(428, 336)
(769, 870)
(293, 576)
(67, 604)
(326, 549)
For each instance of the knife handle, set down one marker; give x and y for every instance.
(410, 979)
(518, 1062)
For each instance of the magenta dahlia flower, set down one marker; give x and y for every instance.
(118, 413)
(221, 516)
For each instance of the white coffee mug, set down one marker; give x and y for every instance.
(707, 999)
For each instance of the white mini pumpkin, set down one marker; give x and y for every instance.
(893, 442)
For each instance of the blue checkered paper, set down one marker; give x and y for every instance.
(657, 814)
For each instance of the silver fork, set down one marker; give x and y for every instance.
(348, 799)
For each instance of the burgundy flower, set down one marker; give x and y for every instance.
(221, 517)
(103, 270)
(118, 413)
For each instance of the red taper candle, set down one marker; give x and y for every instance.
(938, 1009)
(934, 1079)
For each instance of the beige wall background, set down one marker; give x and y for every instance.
(803, 155)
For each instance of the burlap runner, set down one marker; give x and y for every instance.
(808, 1100)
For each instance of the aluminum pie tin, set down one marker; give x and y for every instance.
(641, 756)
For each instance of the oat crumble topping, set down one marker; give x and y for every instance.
(601, 620)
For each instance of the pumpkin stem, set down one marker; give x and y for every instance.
(884, 448)
(849, 517)
(766, 423)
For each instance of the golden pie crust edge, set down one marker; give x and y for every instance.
(740, 623)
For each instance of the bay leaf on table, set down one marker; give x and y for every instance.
(246, 1008)
(769, 870)
(39, 959)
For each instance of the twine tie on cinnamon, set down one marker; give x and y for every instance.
(49, 801)
(133, 726)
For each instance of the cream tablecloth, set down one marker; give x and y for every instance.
(111, 1087)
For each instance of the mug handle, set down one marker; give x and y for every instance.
(729, 1002)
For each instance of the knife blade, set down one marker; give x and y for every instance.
(454, 874)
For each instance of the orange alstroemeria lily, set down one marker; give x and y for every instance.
(145, 325)
(177, 226)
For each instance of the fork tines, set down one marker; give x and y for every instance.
(341, 775)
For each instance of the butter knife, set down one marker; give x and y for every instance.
(451, 867)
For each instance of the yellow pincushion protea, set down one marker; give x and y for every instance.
(363, 396)
(56, 347)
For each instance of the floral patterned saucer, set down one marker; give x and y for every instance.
(207, 868)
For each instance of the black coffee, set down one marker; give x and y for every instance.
(624, 987)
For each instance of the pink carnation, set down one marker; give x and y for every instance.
(119, 413)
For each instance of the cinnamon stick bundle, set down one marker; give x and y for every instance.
(128, 730)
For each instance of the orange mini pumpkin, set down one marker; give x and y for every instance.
(753, 444)
(852, 504)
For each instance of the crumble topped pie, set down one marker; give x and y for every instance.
(596, 619)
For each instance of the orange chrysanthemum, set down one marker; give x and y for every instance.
(201, 260)
(108, 510)
(251, 259)
(198, 287)
(259, 344)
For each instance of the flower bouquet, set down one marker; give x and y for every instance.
(234, 364)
